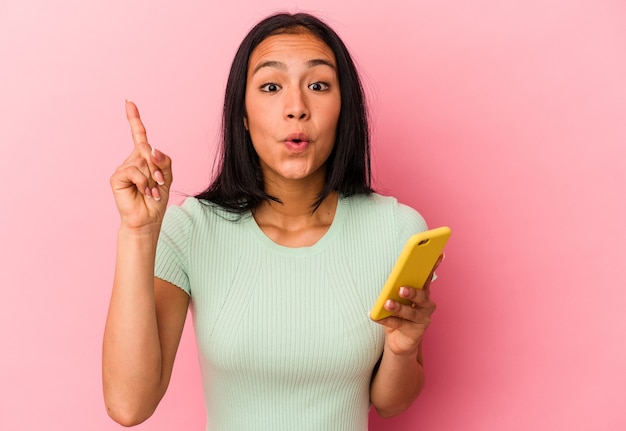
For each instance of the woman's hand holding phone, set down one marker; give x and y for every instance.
(406, 325)
(404, 306)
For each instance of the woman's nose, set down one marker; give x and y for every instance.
(296, 105)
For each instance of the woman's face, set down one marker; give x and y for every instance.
(292, 105)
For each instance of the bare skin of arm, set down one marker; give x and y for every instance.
(400, 376)
(143, 330)
(146, 315)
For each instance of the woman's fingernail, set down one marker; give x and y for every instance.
(158, 177)
(147, 192)
(156, 194)
(390, 305)
(158, 156)
(404, 292)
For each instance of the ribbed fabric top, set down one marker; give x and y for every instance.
(284, 337)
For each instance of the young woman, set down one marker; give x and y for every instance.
(281, 257)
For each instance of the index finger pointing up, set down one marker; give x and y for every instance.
(136, 126)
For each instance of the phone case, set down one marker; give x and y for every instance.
(412, 268)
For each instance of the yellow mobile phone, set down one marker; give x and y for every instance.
(416, 262)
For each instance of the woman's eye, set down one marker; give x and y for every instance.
(270, 88)
(318, 86)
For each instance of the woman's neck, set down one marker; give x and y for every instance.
(293, 221)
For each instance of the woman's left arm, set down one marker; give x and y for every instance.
(400, 376)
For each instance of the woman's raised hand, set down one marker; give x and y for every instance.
(141, 185)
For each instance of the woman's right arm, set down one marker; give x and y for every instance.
(146, 315)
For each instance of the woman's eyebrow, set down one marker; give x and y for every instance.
(283, 67)
(270, 63)
(321, 62)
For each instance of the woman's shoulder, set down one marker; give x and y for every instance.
(194, 208)
(382, 204)
(194, 214)
(384, 210)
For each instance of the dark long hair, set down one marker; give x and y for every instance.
(238, 186)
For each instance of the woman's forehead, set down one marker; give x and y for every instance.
(291, 46)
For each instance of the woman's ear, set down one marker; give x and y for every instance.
(245, 123)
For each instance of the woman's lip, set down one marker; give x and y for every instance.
(296, 137)
(297, 142)
(297, 146)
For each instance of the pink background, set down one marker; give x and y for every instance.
(503, 119)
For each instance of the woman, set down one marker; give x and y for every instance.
(281, 257)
